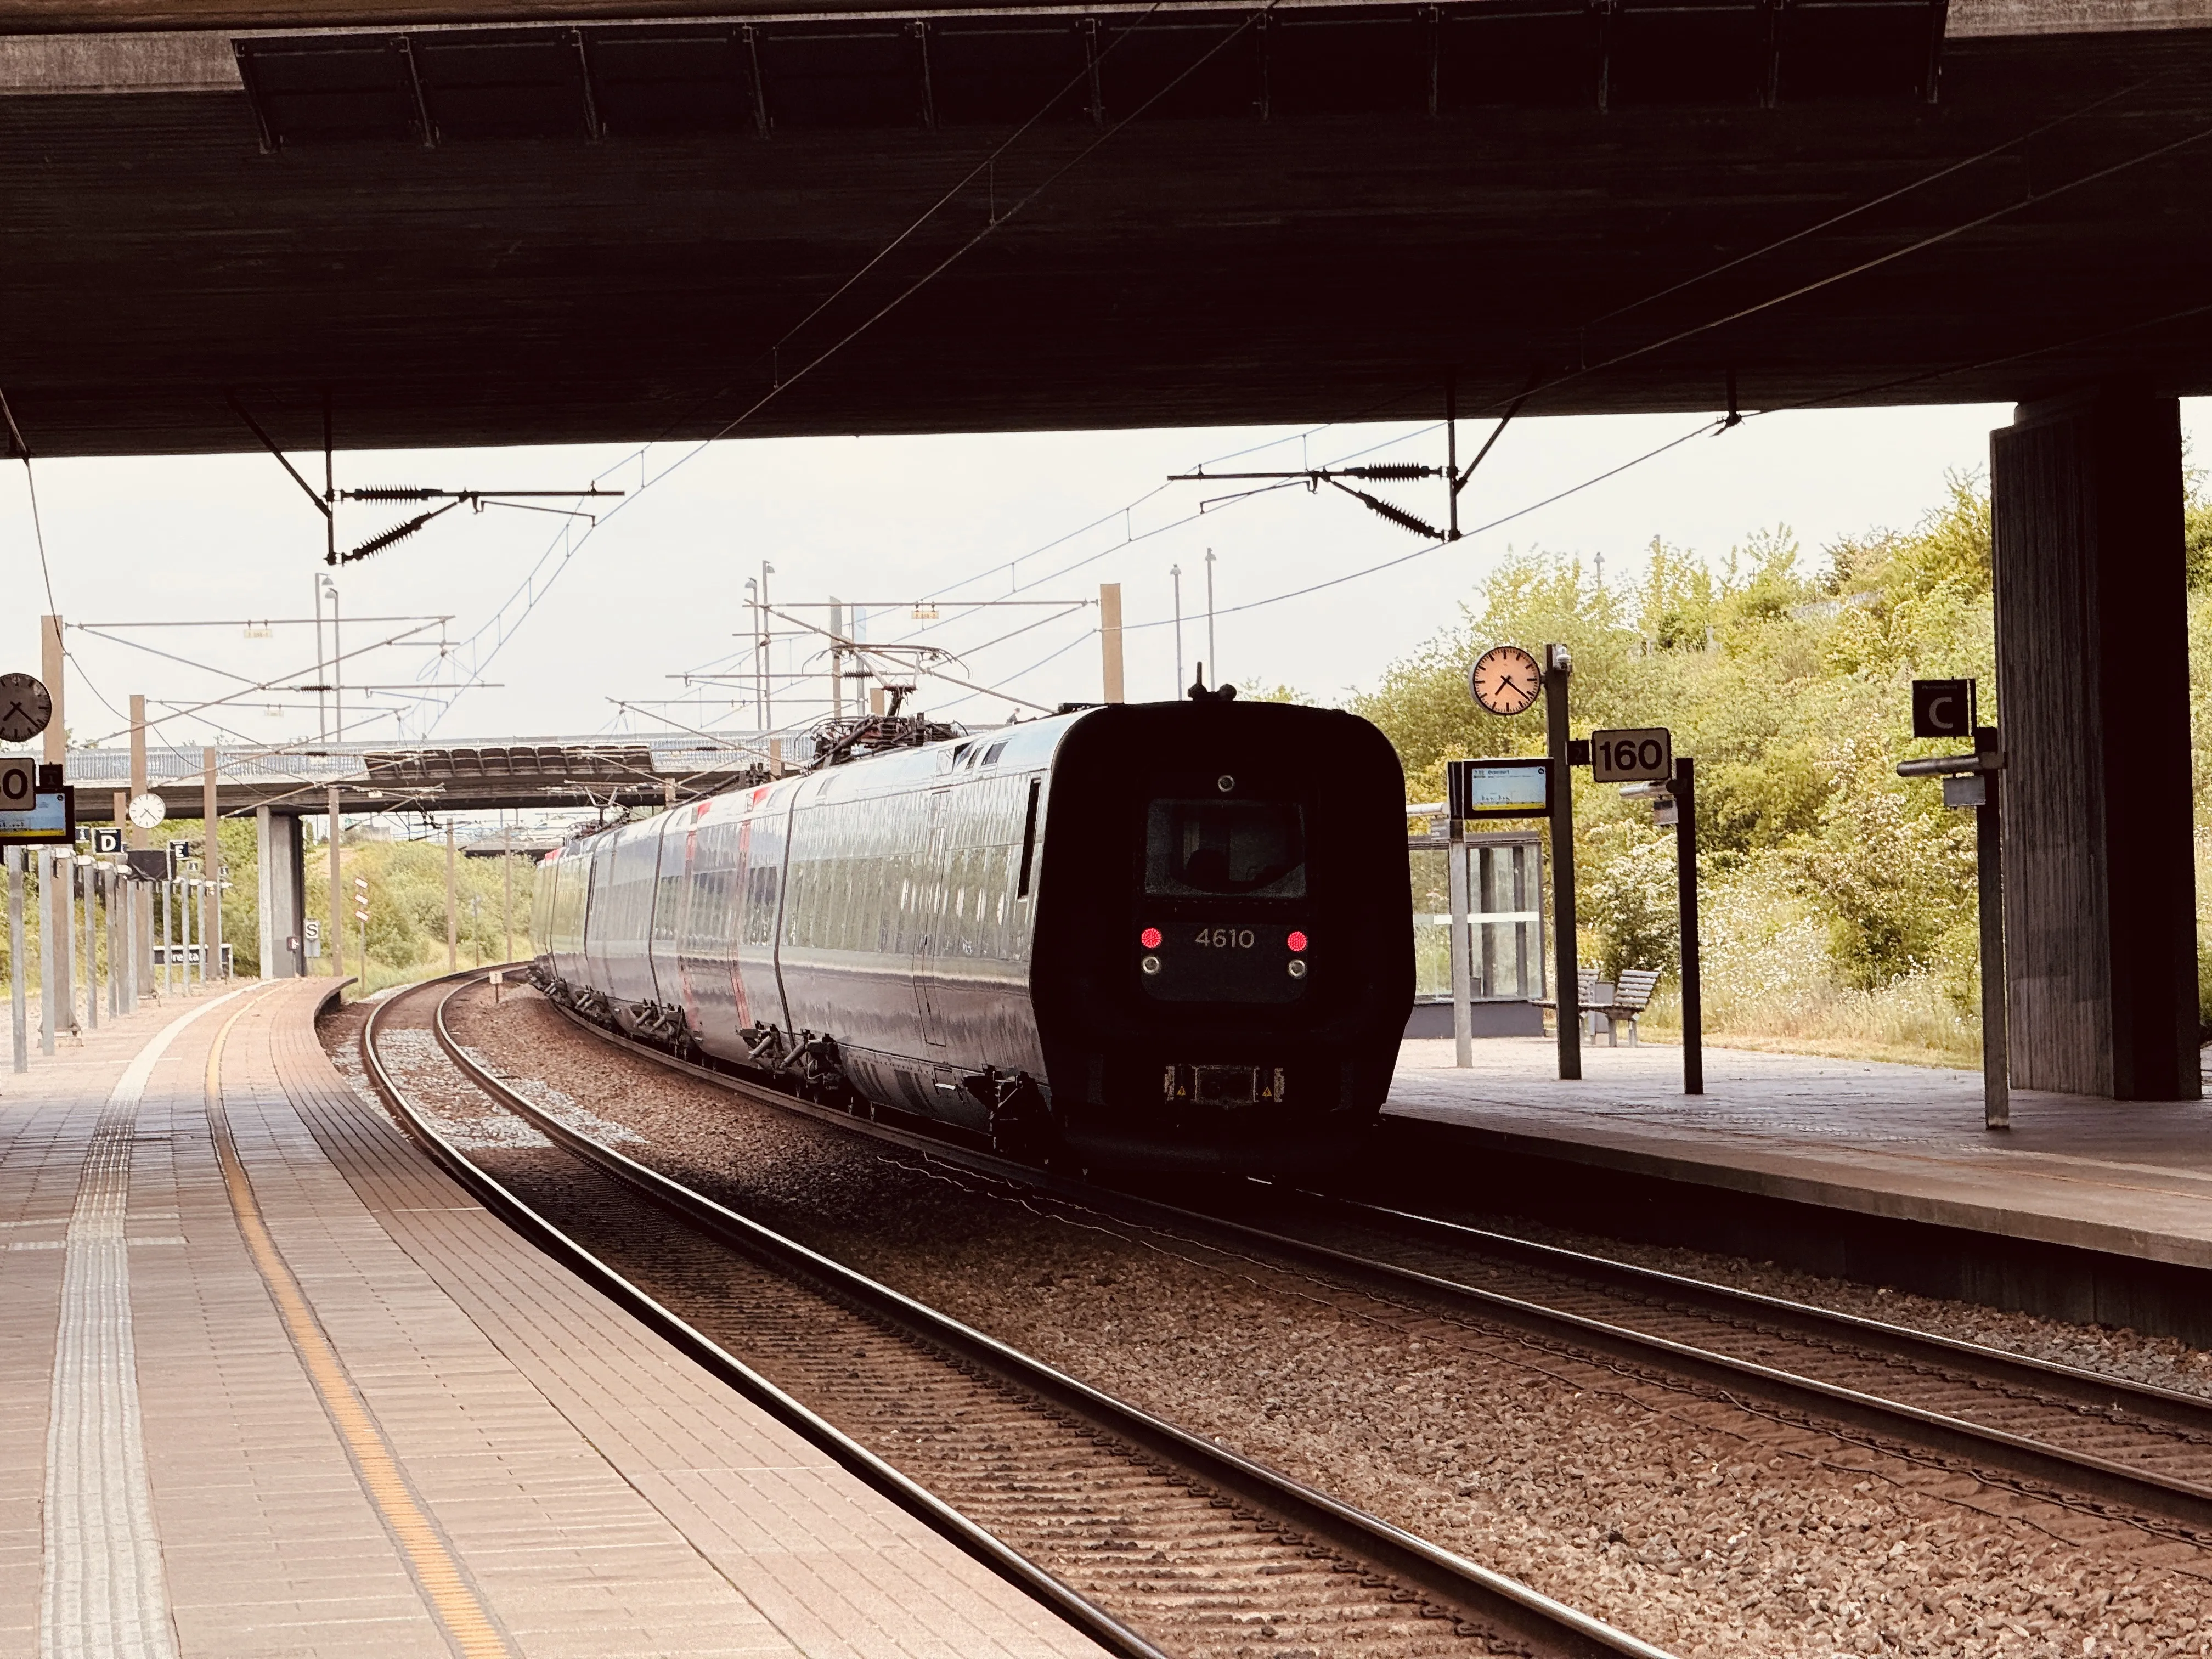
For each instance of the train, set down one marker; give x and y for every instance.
(1171, 936)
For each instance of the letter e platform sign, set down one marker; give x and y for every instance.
(1639, 754)
(1942, 709)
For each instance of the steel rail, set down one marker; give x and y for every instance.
(2094, 1389)
(916, 1500)
(1476, 1592)
(2018, 1456)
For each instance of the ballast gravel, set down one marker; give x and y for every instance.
(2164, 1362)
(1706, 1528)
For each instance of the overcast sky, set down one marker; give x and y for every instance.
(657, 588)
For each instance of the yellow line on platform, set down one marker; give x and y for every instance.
(454, 1602)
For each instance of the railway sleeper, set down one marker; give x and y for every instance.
(1414, 1574)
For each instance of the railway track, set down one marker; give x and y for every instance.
(1149, 1538)
(2102, 1443)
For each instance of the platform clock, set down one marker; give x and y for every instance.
(1505, 679)
(25, 707)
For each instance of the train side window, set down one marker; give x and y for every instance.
(867, 881)
(971, 897)
(957, 938)
(1029, 838)
(799, 895)
(990, 864)
(997, 901)
(760, 903)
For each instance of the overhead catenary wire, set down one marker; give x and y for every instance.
(455, 691)
(1703, 429)
(1933, 239)
(1052, 656)
(276, 683)
(1930, 240)
(983, 168)
(1697, 431)
(986, 167)
(1188, 518)
(22, 448)
(101, 631)
(1976, 365)
(1020, 205)
(1848, 214)
(997, 221)
(881, 654)
(1131, 506)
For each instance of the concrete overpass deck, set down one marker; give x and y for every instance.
(503, 221)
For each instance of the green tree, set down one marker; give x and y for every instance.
(1786, 677)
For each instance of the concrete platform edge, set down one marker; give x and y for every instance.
(2097, 1275)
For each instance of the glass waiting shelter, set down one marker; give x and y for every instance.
(1505, 931)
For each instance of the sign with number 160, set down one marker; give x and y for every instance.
(1641, 754)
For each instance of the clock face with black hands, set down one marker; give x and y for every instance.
(1505, 679)
(25, 707)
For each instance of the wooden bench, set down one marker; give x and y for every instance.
(1599, 1001)
(1614, 1003)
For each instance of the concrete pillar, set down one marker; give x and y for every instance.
(119, 937)
(210, 871)
(136, 837)
(334, 929)
(53, 999)
(1109, 641)
(53, 662)
(57, 944)
(68, 875)
(2092, 676)
(89, 882)
(283, 891)
(452, 909)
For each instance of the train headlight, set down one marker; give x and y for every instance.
(1151, 964)
(1297, 969)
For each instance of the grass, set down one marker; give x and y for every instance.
(1911, 1022)
(382, 976)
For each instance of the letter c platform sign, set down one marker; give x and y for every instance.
(1942, 709)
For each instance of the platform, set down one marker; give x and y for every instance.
(2085, 1209)
(274, 1385)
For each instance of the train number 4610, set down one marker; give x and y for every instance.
(1226, 938)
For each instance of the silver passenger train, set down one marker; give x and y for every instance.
(1162, 935)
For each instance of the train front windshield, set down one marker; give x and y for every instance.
(1226, 849)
